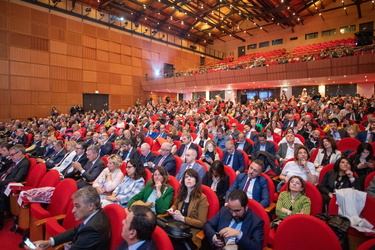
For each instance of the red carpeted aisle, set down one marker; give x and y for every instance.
(9, 240)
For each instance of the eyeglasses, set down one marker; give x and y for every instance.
(296, 182)
(127, 167)
(11, 155)
(79, 148)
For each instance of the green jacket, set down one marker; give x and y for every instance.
(162, 204)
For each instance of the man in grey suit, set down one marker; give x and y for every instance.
(286, 149)
(92, 169)
(190, 156)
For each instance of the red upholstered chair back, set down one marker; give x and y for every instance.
(148, 175)
(230, 172)
(275, 145)
(161, 239)
(258, 209)
(367, 245)
(28, 141)
(250, 141)
(149, 141)
(62, 196)
(178, 144)
(369, 179)
(36, 175)
(157, 144)
(123, 168)
(202, 164)
(300, 137)
(116, 215)
(348, 144)
(175, 184)
(271, 186)
(213, 201)
(314, 154)
(296, 230)
(245, 158)
(324, 170)
(32, 165)
(105, 159)
(315, 197)
(51, 179)
(220, 152)
(194, 136)
(178, 163)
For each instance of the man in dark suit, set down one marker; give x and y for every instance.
(112, 134)
(353, 115)
(162, 133)
(105, 145)
(186, 144)
(243, 144)
(236, 225)
(367, 135)
(139, 225)
(233, 158)
(20, 138)
(76, 137)
(92, 169)
(334, 132)
(290, 122)
(253, 184)
(95, 230)
(263, 145)
(286, 149)
(56, 157)
(191, 154)
(89, 138)
(5, 159)
(129, 151)
(146, 154)
(250, 134)
(17, 172)
(80, 157)
(35, 147)
(165, 159)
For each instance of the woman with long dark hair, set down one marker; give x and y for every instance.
(362, 162)
(218, 180)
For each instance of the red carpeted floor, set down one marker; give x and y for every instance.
(9, 240)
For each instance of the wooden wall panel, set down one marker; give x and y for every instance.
(125, 49)
(102, 33)
(20, 83)
(58, 60)
(20, 26)
(115, 47)
(115, 37)
(74, 25)
(57, 21)
(74, 62)
(103, 77)
(89, 53)
(20, 69)
(22, 110)
(40, 84)
(115, 68)
(74, 75)
(74, 50)
(5, 97)
(39, 43)
(89, 87)
(58, 86)
(19, 11)
(59, 98)
(43, 97)
(75, 87)
(74, 37)
(57, 73)
(136, 52)
(3, 36)
(57, 34)
(102, 66)
(102, 55)
(4, 82)
(126, 80)
(39, 17)
(89, 41)
(58, 47)
(20, 40)
(39, 30)
(4, 7)
(3, 22)
(102, 88)
(89, 64)
(115, 79)
(37, 70)
(102, 44)
(115, 58)
(89, 76)
(19, 54)
(39, 57)
(136, 62)
(20, 97)
(126, 60)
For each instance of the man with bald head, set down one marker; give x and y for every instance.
(165, 159)
(233, 158)
(146, 154)
(191, 154)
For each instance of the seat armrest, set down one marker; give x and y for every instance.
(43, 221)
(200, 235)
(270, 208)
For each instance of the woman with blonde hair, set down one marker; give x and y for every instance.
(209, 154)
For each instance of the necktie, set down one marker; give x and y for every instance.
(247, 185)
(161, 161)
(90, 166)
(229, 159)
(80, 226)
(8, 171)
(371, 138)
(61, 162)
(189, 166)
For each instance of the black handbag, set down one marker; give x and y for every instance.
(174, 229)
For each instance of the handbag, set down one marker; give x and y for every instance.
(174, 229)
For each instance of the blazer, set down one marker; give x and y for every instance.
(342, 132)
(319, 157)
(362, 136)
(21, 140)
(260, 190)
(196, 214)
(106, 148)
(147, 245)
(112, 137)
(238, 161)
(221, 188)
(283, 149)
(252, 136)
(89, 176)
(286, 123)
(252, 228)
(95, 234)
(169, 163)
(34, 148)
(196, 166)
(162, 135)
(270, 148)
(328, 183)
(18, 174)
(161, 204)
(133, 154)
(149, 158)
(55, 159)
(247, 147)
(72, 172)
(180, 151)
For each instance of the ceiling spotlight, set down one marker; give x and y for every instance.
(136, 25)
(88, 9)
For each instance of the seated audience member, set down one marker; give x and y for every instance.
(137, 230)
(110, 177)
(170, 137)
(234, 158)
(290, 131)
(146, 154)
(186, 144)
(131, 185)
(165, 159)
(263, 145)
(335, 132)
(299, 167)
(91, 170)
(112, 132)
(129, 151)
(105, 145)
(340, 177)
(218, 180)
(151, 133)
(362, 162)
(120, 148)
(16, 172)
(371, 188)
(314, 140)
(289, 123)
(244, 145)
(68, 158)
(93, 233)
(202, 138)
(286, 149)
(162, 133)
(80, 157)
(250, 134)
(6, 159)
(46, 148)
(209, 154)
(56, 157)
(253, 184)
(20, 138)
(221, 139)
(34, 148)
(367, 135)
(233, 133)
(157, 194)
(238, 226)
(350, 127)
(190, 163)
(191, 205)
(89, 138)
(75, 137)
(292, 201)
(327, 153)
(139, 140)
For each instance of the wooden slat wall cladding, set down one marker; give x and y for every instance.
(48, 59)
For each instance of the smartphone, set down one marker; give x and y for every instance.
(207, 156)
(29, 243)
(218, 236)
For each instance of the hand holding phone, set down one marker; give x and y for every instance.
(29, 243)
